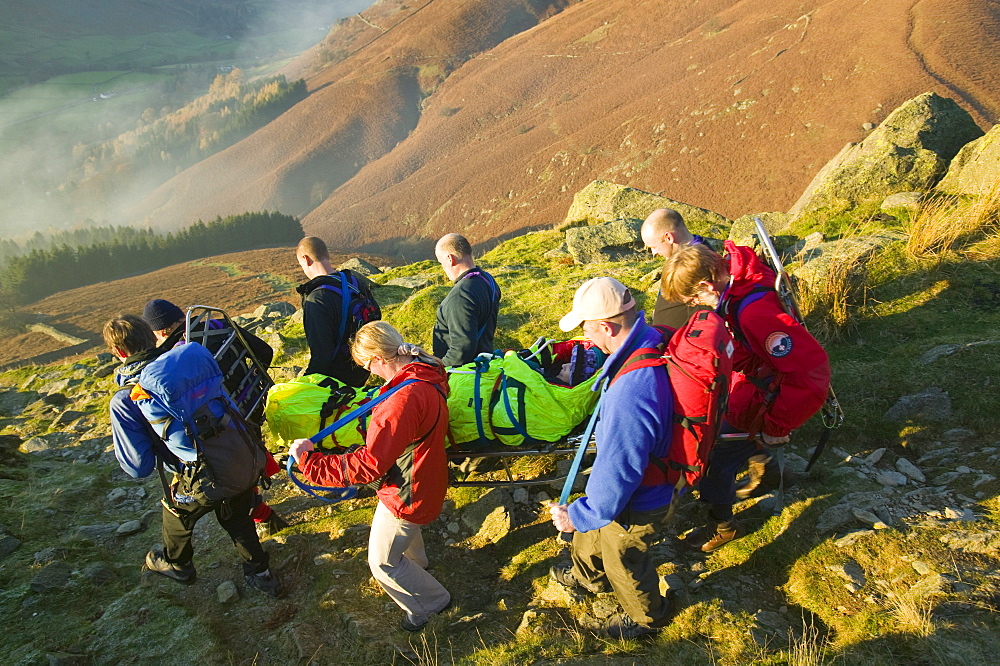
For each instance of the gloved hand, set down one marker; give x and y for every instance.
(299, 447)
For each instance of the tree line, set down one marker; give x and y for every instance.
(42, 272)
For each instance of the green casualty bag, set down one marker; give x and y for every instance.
(509, 400)
(302, 407)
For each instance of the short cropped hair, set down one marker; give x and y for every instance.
(454, 244)
(663, 220)
(128, 334)
(686, 268)
(314, 247)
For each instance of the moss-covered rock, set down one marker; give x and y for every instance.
(744, 228)
(976, 168)
(909, 151)
(602, 201)
(612, 241)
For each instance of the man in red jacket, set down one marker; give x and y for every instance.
(781, 376)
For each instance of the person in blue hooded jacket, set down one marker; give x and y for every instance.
(616, 521)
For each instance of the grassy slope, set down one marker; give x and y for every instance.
(780, 566)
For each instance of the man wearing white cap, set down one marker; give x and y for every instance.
(615, 523)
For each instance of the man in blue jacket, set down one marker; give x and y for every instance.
(614, 525)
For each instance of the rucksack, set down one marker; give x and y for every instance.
(357, 307)
(699, 361)
(180, 394)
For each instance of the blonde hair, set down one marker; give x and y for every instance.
(380, 338)
(129, 334)
(685, 269)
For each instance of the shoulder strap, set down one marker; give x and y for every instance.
(645, 357)
(752, 296)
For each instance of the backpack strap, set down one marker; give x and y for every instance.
(755, 294)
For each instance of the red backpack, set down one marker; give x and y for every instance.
(699, 361)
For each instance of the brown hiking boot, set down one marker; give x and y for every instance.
(715, 535)
(757, 466)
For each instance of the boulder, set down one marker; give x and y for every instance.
(906, 200)
(53, 576)
(36, 445)
(12, 403)
(8, 544)
(491, 516)
(612, 241)
(744, 228)
(853, 253)
(933, 404)
(274, 310)
(360, 266)
(908, 151)
(226, 593)
(976, 168)
(601, 201)
(412, 282)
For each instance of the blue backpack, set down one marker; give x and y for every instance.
(180, 393)
(357, 307)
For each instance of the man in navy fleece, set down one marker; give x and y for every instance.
(614, 525)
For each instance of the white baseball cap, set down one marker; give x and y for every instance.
(595, 299)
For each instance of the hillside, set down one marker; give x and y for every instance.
(864, 565)
(398, 140)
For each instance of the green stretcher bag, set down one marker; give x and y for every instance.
(302, 407)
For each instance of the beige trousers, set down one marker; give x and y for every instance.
(398, 562)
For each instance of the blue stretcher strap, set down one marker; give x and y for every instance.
(345, 304)
(578, 458)
(482, 365)
(518, 426)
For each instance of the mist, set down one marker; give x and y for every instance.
(54, 172)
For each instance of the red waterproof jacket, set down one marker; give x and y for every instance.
(404, 447)
(773, 353)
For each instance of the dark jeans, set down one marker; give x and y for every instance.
(617, 556)
(718, 486)
(233, 515)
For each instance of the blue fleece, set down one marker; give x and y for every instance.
(136, 447)
(636, 421)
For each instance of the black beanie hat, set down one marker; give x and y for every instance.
(160, 313)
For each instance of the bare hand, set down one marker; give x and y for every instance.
(560, 518)
(299, 447)
(770, 440)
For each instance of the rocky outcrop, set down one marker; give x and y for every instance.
(601, 201)
(909, 151)
(852, 254)
(612, 241)
(744, 228)
(976, 168)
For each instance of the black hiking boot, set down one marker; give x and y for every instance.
(562, 575)
(267, 582)
(715, 535)
(184, 574)
(621, 626)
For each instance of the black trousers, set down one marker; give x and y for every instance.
(233, 515)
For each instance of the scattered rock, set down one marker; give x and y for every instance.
(744, 229)
(49, 554)
(851, 254)
(98, 573)
(920, 567)
(891, 478)
(874, 456)
(8, 544)
(37, 445)
(557, 252)
(67, 417)
(905, 200)
(850, 571)
(933, 404)
(976, 167)
(129, 528)
(359, 265)
(97, 532)
(521, 495)
(274, 310)
(601, 201)
(910, 470)
(414, 282)
(935, 353)
(987, 543)
(226, 593)
(53, 576)
(491, 515)
(117, 495)
(957, 435)
(869, 518)
(851, 537)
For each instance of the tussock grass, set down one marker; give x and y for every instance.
(944, 224)
(831, 304)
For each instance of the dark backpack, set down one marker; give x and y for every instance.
(180, 394)
(699, 361)
(357, 306)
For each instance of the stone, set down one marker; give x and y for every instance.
(744, 229)
(868, 127)
(98, 573)
(67, 659)
(129, 528)
(983, 478)
(875, 456)
(869, 518)
(976, 167)
(36, 445)
(617, 240)
(834, 517)
(601, 201)
(920, 567)
(491, 516)
(851, 572)
(521, 495)
(910, 470)
(946, 478)
(891, 478)
(8, 544)
(49, 554)
(274, 310)
(226, 593)
(117, 495)
(413, 282)
(67, 417)
(557, 252)
(360, 266)
(97, 532)
(851, 537)
(908, 151)
(848, 254)
(932, 404)
(906, 200)
(12, 403)
(987, 543)
(53, 576)
(957, 434)
(105, 370)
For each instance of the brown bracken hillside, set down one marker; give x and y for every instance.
(466, 115)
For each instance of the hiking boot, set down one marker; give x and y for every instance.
(266, 528)
(764, 476)
(562, 575)
(267, 582)
(621, 626)
(715, 535)
(182, 573)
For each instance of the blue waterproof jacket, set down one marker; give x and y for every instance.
(635, 423)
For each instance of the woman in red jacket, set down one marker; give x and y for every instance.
(404, 449)
(781, 376)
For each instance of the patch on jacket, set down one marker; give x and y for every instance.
(778, 344)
